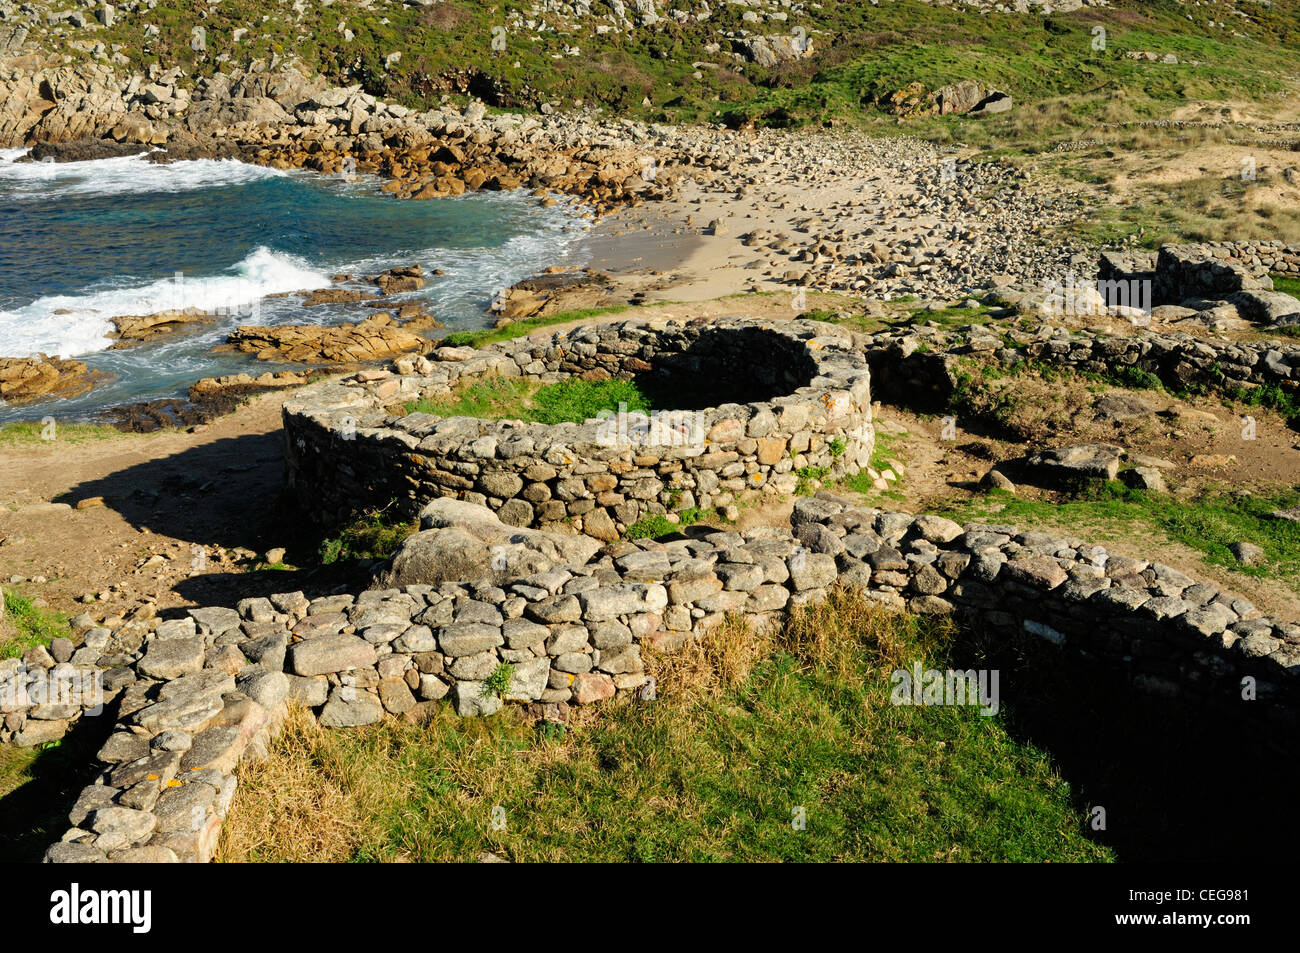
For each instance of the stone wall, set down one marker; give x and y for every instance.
(205, 693)
(1259, 257)
(914, 366)
(195, 697)
(780, 397)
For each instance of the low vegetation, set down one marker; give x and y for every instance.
(713, 768)
(34, 433)
(509, 398)
(372, 536)
(24, 625)
(518, 329)
(1209, 523)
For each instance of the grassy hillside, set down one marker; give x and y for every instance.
(687, 70)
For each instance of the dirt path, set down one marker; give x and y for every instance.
(138, 516)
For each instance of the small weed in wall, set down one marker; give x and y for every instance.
(499, 680)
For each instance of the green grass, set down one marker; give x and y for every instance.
(1209, 523)
(1272, 397)
(24, 433)
(714, 769)
(491, 398)
(496, 683)
(652, 526)
(809, 479)
(573, 400)
(24, 625)
(1127, 375)
(39, 785)
(861, 482)
(578, 400)
(517, 329)
(1287, 285)
(862, 53)
(370, 537)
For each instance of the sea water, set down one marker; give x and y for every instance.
(83, 242)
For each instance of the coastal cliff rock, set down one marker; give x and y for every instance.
(376, 338)
(552, 293)
(25, 379)
(132, 329)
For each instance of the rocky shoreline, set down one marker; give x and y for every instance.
(833, 212)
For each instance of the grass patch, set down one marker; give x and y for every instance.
(508, 398)
(715, 769)
(370, 537)
(29, 433)
(808, 479)
(881, 454)
(1127, 375)
(652, 526)
(1209, 523)
(1271, 397)
(1286, 285)
(491, 398)
(578, 400)
(24, 625)
(518, 329)
(39, 785)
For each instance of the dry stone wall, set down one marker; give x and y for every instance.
(915, 366)
(777, 397)
(205, 693)
(193, 698)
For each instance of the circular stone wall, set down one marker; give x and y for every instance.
(754, 403)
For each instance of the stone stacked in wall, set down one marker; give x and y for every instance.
(48, 690)
(915, 366)
(784, 396)
(202, 694)
(1259, 257)
(1198, 275)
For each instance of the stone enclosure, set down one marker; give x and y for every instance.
(754, 403)
(562, 619)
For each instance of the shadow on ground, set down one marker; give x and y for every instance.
(1178, 780)
(227, 493)
(35, 814)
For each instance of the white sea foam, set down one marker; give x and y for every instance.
(43, 181)
(82, 323)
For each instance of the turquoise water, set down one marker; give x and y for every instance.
(83, 242)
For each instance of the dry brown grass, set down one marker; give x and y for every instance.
(320, 797)
(721, 658)
(307, 801)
